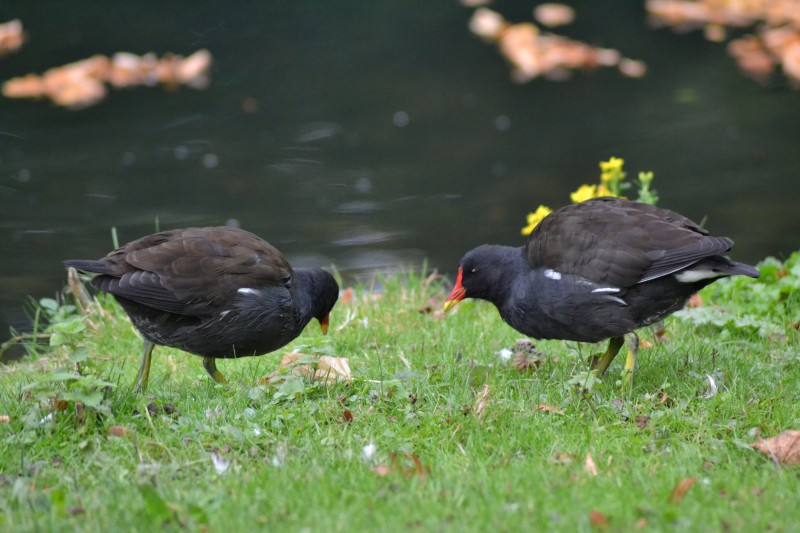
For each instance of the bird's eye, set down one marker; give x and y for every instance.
(287, 281)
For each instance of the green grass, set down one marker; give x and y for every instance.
(442, 462)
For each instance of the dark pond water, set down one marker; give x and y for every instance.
(385, 134)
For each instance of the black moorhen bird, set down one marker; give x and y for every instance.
(215, 292)
(596, 270)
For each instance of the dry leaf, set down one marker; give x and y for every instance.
(562, 458)
(681, 489)
(639, 524)
(482, 401)
(695, 300)
(641, 421)
(347, 296)
(11, 36)
(409, 464)
(598, 519)
(525, 362)
(323, 368)
(783, 448)
(381, 470)
(347, 415)
(589, 467)
(118, 431)
(5, 419)
(554, 14)
(82, 83)
(549, 408)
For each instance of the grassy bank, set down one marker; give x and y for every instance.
(434, 432)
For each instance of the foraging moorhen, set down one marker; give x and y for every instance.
(215, 292)
(596, 270)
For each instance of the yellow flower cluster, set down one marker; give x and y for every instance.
(611, 169)
(611, 176)
(534, 218)
(587, 192)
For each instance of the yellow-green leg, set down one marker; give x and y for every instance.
(632, 341)
(210, 364)
(144, 367)
(600, 362)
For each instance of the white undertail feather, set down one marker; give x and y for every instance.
(691, 276)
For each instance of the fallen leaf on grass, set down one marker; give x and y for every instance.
(347, 296)
(599, 520)
(562, 458)
(641, 421)
(783, 448)
(118, 431)
(482, 401)
(549, 408)
(323, 368)
(695, 300)
(526, 357)
(347, 415)
(589, 467)
(5, 419)
(681, 489)
(381, 470)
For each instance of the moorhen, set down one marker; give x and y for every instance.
(217, 292)
(596, 270)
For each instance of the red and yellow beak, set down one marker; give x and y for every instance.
(457, 294)
(323, 324)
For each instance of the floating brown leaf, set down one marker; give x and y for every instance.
(82, 83)
(533, 53)
(681, 489)
(783, 448)
(552, 14)
(11, 36)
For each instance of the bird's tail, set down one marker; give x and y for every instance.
(95, 267)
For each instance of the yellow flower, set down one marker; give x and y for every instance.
(612, 165)
(584, 192)
(534, 218)
(602, 190)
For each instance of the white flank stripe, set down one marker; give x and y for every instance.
(606, 289)
(246, 290)
(552, 274)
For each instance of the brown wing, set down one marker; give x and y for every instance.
(192, 271)
(619, 242)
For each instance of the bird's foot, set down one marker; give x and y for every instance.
(210, 364)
